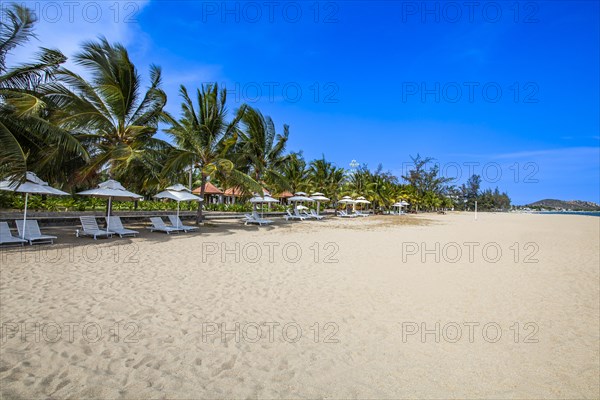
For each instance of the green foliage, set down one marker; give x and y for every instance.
(75, 131)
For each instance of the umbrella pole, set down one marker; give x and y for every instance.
(177, 215)
(108, 213)
(25, 215)
(318, 207)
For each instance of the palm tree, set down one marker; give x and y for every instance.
(29, 141)
(204, 139)
(294, 173)
(260, 148)
(360, 183)
(335, 181)
(112, 116)
(326, 177)
(319, 171)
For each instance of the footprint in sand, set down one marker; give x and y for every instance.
(225, 366)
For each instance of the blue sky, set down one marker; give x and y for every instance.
(506, 90)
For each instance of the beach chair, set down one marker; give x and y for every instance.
(32, 232)
(314, 214)
(260, 219)
(344, 214)
(159, 225)
(255, 219)
(90, 228)
(176, 223)
(115, 225)
(289, 216)
(305, 214)
(249, 219)
(7, 238)
(360, 214)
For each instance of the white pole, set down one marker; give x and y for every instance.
(318, 207)
(475, 211)
(177, 214)
(25, 215)
(108, 213)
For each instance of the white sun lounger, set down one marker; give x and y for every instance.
(360, 214)
(7, 238)
(248, 219)
(251, 219)
(292, 216)
(317, 216)
(344, 214)
(32, 232)
(261, 219)
(115, 225)
(176, 223)
(313, 214)
(90, 228)
(159, 225)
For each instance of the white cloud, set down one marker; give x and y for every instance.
(567, 151)
(65, 25)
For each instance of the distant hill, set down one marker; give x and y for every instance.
(576, 205)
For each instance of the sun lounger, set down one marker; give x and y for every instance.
(255, 219)
(7, 238)
(311, 214)
(344, 214)
(90, 228)
(159, 225)
(261, 219)
(32, 232)
(314, 214)
(249, 219)
(292, 216)
(360, 214)
(176, 223)
(306, 214)
(115, 225)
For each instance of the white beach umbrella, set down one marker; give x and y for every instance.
(256, 199)
(299, 197)
(178, 193)
(269, 199)
(319, 197)
(110, 190)
(33, 185)
(347, 200)
(400, 204)
(362, 200)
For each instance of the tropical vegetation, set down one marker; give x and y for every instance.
(76, 130)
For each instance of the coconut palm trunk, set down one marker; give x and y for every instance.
(199, 216)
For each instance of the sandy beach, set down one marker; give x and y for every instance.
(428, 306)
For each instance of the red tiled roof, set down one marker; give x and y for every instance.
(209, 188)
(284, 195)
(235, 191)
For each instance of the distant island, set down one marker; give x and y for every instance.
(571, 205)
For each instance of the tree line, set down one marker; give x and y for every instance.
(76, 131)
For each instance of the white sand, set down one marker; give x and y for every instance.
(166, 301)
